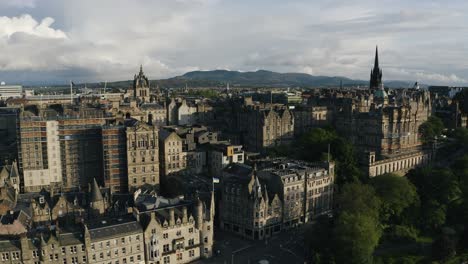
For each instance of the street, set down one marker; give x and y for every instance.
(286, 247)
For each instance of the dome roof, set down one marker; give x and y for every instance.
(380, 94)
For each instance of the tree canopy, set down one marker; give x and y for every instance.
(432, 128)
(396, 193)
(356, 236)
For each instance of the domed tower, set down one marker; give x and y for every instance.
(141, 87)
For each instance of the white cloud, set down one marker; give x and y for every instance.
(28, 25)
(109, 39)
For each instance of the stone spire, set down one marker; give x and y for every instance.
(376, 73)
(96, 194)
(376, 62)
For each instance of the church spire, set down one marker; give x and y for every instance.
(376, 73)
(376, 62)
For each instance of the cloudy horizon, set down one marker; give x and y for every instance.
(53, 41)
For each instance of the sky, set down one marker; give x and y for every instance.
(54, 41)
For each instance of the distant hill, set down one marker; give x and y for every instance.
(260, 78)
(269, 78)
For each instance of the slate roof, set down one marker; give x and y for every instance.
(9, 245)
(110, 228)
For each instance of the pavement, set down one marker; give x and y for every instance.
(286, 247)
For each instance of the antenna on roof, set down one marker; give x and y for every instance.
(71, 92)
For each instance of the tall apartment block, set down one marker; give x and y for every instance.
(81, 149)
(65, 153)
(39, 154)
(114, 144)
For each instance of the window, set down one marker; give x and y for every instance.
(179, 256)
(191, 230)
(192, 253)
(167, 260)
(166, 248)
(165, 235)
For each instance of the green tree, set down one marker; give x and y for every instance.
(359, 199)
(318, 240)
(313, 146)
(396, 193)
(432, 128)
(461, 137)
(434, 215)
(435, 184)
(356, 236)
(444, 247)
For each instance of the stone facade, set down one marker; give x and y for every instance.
(265, 127)
(142, 155)
(181, 233)
(172, 157)
(260, 203)
(307, 117)
(176, 233)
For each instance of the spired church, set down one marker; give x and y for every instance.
(384, 124)
(141, 87)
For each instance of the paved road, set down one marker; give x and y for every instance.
(286, 247)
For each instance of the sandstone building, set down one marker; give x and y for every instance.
(258, 203)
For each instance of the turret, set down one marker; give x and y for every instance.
(184, 215)
(199, 214)
(25, 250)
(86, 238)
(171, 217)
(97, 202)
